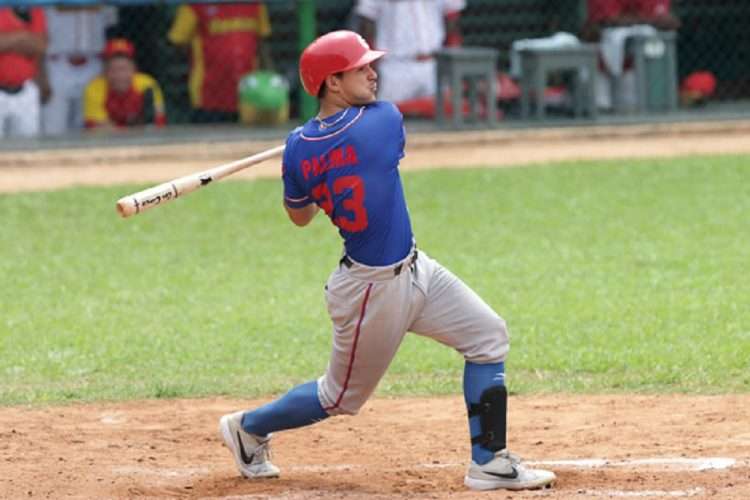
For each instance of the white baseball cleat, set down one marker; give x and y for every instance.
(505, 471)
(250, 452)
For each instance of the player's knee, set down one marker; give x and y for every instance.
(493, 344)
(499, 342)
(336, 403)
(347, 408)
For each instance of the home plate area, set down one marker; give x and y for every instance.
(655, 477)
(600, 446)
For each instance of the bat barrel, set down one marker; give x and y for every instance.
(148, 198)
(163, 193)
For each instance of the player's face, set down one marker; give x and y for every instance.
(359, 85)
(119, 73)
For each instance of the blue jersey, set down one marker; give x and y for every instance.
(348, 165)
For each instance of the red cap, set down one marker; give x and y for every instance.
(700, 84)
(119, 47)
(332, 53)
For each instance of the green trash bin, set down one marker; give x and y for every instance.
(655, 65)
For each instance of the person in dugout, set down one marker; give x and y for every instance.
(225, 41)
(122, 96)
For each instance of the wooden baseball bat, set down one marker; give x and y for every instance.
(141, 201)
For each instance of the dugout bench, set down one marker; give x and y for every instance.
(475, 66)
(537, 64)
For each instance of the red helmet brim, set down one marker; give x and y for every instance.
(367, 58)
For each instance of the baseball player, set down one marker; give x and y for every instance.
(345, 161)
(122, 96)
(226, 41)
(73, 59)
(23, 40)
(411, 31)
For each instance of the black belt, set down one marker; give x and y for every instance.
(11, 90)
(345, 260)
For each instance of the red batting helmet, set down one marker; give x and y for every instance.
(332, 53)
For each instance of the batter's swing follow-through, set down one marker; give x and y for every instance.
(345, 161)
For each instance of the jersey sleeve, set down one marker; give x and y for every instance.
(368, 8)
(394, 124)
(264, 22)
(388, 124)
(295, 195)
(94, 111)
(184, 25)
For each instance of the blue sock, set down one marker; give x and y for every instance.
(477, 378)
(296, 408)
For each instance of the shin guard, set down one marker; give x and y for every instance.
(492, 411)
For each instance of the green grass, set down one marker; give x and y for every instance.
(619, 276)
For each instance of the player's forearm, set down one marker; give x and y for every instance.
(25, 43)
(9, 41)
(28, 44)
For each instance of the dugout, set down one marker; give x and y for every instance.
(713, 37)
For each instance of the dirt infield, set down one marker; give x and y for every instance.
(602, 446)
(599, 446)
(54, 169)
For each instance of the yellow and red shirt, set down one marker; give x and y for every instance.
(102, 105)
(17, 68)
(224, 40)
